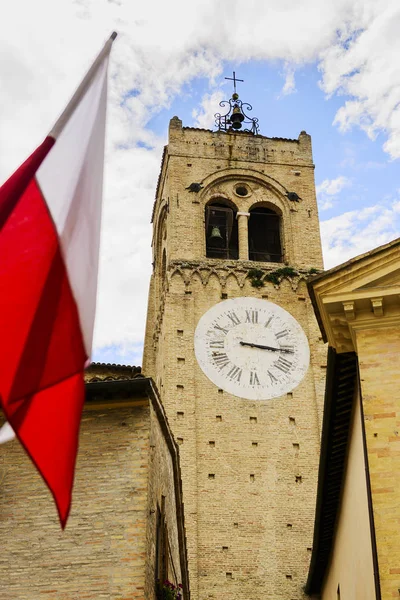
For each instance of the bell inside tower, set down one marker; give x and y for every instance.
(221, 231)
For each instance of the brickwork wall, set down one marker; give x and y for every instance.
(249, 469)
(102, 552)
(379, 359)
(161, 483)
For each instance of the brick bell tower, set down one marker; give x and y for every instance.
(234, 348)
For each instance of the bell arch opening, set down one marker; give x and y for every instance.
(221, 230)
(264, 231)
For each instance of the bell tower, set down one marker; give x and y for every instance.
(234, 349)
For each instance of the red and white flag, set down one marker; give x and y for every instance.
(50, 212)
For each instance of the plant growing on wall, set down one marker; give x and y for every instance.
(255, 276)
(169, 591)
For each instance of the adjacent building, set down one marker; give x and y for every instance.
(356, 550)
(126, 528)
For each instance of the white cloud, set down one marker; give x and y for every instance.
(328, 190)
(362, 65)
(160, 47)
(204, 116)
(359, 231)
(289, 86)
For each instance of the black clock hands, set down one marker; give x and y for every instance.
(267, 347)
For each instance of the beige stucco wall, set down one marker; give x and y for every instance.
(351, 564)
(379, 359)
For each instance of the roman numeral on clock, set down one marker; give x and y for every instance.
(235, 373)
(272, 377)
(282, 364)
(268, 322)
(253, 378)
(219, 328)
(251, 316)
(220, 359)
(282, 334)
(288, 348)
(234, 318)
(217, 344)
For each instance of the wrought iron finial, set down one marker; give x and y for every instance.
(235, 118)
(234, 81)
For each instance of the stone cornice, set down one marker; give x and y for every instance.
(362, 294)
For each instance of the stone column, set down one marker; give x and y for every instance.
(242, 218)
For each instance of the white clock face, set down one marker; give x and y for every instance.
(251, 348)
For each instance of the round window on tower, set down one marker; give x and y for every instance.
(241, 190)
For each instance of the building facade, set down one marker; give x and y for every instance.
(229, 329)
(356, 550)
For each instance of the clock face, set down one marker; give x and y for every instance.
(251, 348)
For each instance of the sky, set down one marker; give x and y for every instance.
(330, 67)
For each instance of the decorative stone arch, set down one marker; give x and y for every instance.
(232, 185)
(242, 176)
(160, 234)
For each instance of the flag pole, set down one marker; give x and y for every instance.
(81, 90)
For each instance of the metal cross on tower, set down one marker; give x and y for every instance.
(234, 80)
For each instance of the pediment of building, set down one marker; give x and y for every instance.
(362, 293)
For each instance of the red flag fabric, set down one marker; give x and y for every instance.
(50, 212)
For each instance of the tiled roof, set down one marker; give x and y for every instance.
(111, 372)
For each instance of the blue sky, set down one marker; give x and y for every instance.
(333, 72)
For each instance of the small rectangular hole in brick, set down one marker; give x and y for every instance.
(292, 420)
(289, 526)
(252, 477)
(296, 446)
(236, 524)
(253, 419)
(180, 386)
(309, 549)
(180, 359)
(265, 296)
(298, 479)
(211, 476)
(188, 292)
(224, 548)
(375, 435)
(290, 394)
(179, 440)
(289, 577)
(301, 298)
(179, 331)
(219, 417)
(224, 296)
(323, 366)
(229, 576)
(189, 164)
(180, 414)
(220, 391)
(211, 443)
(254, 444)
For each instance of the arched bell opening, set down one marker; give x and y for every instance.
(221, 231)
(163, 265)
(264, 230)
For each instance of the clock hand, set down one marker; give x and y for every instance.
(266, 347)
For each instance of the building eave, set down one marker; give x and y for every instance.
(339, 394)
